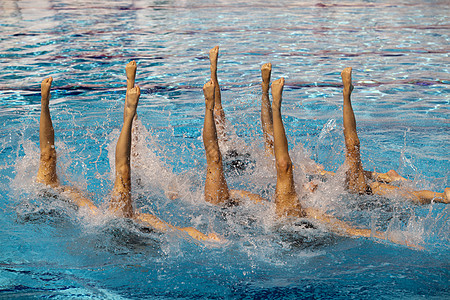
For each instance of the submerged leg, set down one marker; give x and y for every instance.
(286, 199)
(216, 188)
(120, 203)
(219, 114)
(266, 109)
(355, 179)
(389, 176)
(47, 163)
(419, 197)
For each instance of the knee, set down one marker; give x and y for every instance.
(123, 171)
(284, 165)
(214, 156)
(352, 142)
(48, 154)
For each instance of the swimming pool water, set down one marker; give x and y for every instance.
(399, 54)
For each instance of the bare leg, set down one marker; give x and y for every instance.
(219, 114)
(47, 164)
(162, 226)
(389, 176)
(355, 180)
(266, 109)
(216, 188)
(419, 197)
(130, 70)
(121, 195)
(286, 199)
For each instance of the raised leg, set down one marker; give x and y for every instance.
(355, 179)
(216, 188)
(219, 114)
(47, 163)
(266, 109)
(121, 203)
(286, 199)
(130, 70)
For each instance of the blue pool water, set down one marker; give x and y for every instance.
(399, 54)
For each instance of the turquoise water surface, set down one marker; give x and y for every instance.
(399, 55)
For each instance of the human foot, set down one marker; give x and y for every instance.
(130, 70)
(266, 70)
(45, 90)
(277, 91)
(395, 176)
(132, 101)
(214, 237)
(208, 92)
(200, 236)
(346, 75)
(213, 55)
(446, 195)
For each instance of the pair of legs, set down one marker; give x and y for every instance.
(216, 188)
(357, 180)
(275, 143)
(121, 201)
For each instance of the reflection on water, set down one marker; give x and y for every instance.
(398, 53)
